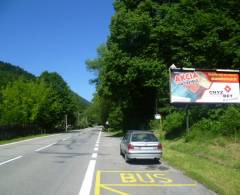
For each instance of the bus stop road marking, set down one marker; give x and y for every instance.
(131, 179)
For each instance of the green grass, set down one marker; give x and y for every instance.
(214, 163)
(21, 138)
(117, 134)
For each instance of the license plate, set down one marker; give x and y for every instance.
(148, 148)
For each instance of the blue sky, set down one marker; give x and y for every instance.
(55, 35)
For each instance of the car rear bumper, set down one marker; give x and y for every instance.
(144, 155)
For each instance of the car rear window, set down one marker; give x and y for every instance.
(144, 137)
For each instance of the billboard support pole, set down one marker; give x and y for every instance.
(187, 119)
(161, 123)
(66, 123)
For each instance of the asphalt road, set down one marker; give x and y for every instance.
(86, 162)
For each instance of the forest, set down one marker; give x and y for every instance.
(33, 105)
(146, 38)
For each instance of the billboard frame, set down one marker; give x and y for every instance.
(173, 68)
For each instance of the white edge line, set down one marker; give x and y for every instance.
(5, 162)
(87, 182)
(29, 140)
(42, 148)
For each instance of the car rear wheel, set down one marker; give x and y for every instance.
(126, 158)
(156, 160)
(121, 153)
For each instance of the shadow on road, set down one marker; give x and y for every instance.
(150, 164)
(161, 167)
(144, 162)
(116, 134)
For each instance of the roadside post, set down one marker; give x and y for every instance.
(107, 126)
(159, 117)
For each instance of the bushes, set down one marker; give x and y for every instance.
(154, 125)
(204, 128)
(227, 124)
(220, 121)
(174, 124)
(231, 121)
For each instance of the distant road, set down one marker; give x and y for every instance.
(82, 163)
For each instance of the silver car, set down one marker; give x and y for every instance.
(140, 145)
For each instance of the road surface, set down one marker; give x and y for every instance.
(86, 162)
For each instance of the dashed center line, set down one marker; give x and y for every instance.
(88, 179)
(42, 148)
(94, 155)
(10, 160)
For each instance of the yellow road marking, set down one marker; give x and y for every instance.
(102, 171)
(150, 185)
(97, 183)
(113, 190)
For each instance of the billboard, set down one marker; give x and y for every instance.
(204, 86)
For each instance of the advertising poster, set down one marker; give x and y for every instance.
(204, 86)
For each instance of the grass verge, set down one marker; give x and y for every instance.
(214, 163)
(21, 138)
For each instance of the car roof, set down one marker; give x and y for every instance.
(139, 131)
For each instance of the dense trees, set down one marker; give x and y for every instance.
(146, 37)
(36, 104)
(61, 101)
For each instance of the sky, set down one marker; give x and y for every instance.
(55, 36)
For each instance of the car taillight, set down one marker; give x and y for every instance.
(130, 147)
(160, 146)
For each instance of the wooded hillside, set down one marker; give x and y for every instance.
(31, 104)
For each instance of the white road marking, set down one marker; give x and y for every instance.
(88, 179)
(5, 162)
(29, 140)
(99, 136)
(94, 155)
(97, 145)
(42, 148)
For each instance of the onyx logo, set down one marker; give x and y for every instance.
(227, 88)
(216, 92)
